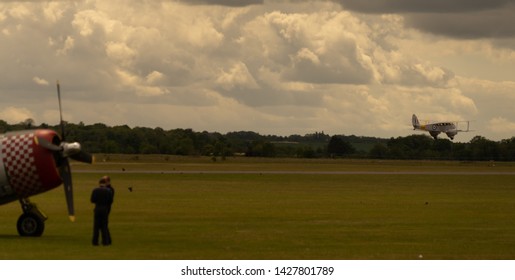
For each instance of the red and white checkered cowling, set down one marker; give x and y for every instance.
(28, 168)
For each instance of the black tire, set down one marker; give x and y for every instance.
(30, 225)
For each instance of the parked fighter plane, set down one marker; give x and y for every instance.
(33, 162)
(435, 128)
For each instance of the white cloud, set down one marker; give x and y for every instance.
(19, 11)
(53, 11)
(308, 55)
(14, 115)
(202, 34)
(309, 47)
(88, 21)
(139, 86)
(502, 126)
(40, 81)
(120, 53)
(237, 76)
(68, 45)
(154, 77)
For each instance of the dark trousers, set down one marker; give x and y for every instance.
(100, 227)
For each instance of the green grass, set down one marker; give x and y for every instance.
(280, 216)
(177, 163)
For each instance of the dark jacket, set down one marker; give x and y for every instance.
(111, 189)
(102, 197)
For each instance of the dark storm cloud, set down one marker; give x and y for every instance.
(230, 3)
(421, 6)
(467, 19)
(486, 24)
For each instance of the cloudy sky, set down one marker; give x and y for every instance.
(358, 67)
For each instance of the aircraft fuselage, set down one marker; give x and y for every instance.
(436, 128)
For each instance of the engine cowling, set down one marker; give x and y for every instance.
(27, 168)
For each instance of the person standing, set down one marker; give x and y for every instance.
(107, 180)
(102, 198)
(111, 189)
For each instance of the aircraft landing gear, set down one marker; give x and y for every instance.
(32, 221)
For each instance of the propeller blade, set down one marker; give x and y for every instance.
(60, 110)
(83, 157)
(66, 176)
(46, 144)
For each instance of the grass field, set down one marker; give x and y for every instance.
(279, 216)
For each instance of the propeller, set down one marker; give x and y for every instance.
(64, 169)
(63, 151)
(72, 150)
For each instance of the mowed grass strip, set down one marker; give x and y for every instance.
(180, 163)
(279, 216)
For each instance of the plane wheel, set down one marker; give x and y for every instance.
(30, 224)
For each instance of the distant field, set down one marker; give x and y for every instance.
(175, 163)
(279, 216)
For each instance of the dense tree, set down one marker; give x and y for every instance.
(484, 149)
(260, 148)
(507, 149)
(339, 147)
(100, 138)
(379, 151)
(306, 152)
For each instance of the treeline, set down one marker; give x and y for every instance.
(424, 147)
(100, 138)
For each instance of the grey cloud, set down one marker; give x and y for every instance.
(230, 3)
(425, 75)
(421, 6)
(484, 24)
(269, 96)
(505, 43)
(343, 71)
(466, 19)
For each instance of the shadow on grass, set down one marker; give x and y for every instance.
(11, 236)
(44, 237)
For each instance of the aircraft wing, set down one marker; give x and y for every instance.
(463, 126)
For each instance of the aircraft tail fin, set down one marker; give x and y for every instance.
(415, 122)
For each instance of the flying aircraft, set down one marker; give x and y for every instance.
(33, 162)
(435, 128)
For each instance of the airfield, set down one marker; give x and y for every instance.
(183, 208)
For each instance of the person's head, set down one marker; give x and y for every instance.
(102, 182)
(107, 180)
